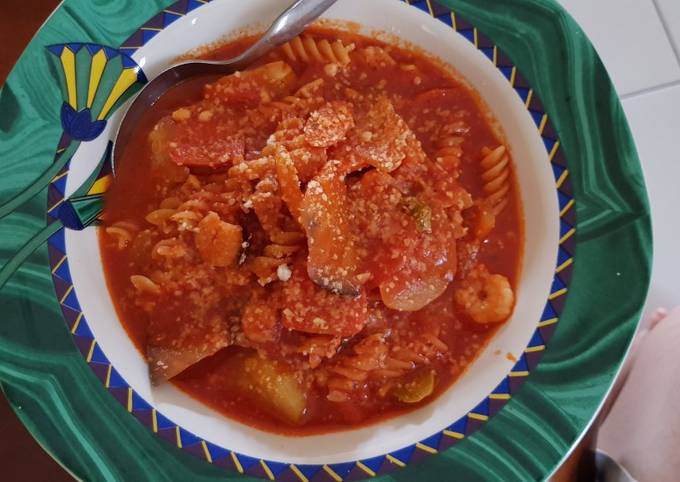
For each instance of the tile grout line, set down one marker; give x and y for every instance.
(650, 90)
(667, 30)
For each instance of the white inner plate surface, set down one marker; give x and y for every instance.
(221, 17)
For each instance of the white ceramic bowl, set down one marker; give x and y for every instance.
(218, 19)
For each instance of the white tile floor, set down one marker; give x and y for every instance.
(630, 37)
(639, 42)
(669, 11)
(657, 145)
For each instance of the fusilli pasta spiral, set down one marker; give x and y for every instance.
(381, 357)
(351, 369)
(122, 232)
(449, 152)
(305, 100)
(307, 49)
(496, 177)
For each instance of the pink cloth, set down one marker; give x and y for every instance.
(642, 429)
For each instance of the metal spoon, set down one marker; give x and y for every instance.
(287, 26)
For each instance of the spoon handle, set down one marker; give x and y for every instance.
(286, 27)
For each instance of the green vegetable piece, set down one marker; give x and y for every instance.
(417, 388)
(421, 213)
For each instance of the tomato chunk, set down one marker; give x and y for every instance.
(411, 245)
(312, 309)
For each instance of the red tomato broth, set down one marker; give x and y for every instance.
(139, 188)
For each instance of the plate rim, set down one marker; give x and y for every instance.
(460, 3)
(456, 429)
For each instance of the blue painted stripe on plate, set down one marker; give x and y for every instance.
(110, 52)
(169, 18)
(98, 355)
(563, 199)
(63, 272)
(374, 463)
(507, 72)
(422, 5)
(404, 454)
(72, 301)
(193, 5)
(342, 469)
(83, 329)
(521, 365)
(468, 34)
(432, 441)
(116, 381)
(188, 439)
(163, 421)
(557, 285)
(562, 256)
(60, 184)
(57, 241)
(558, 170)
(522, 92)
(128, 63)
(56, 49)
(549, 144)
(446, 18)
(536, 339)
(503, 387)
(488, 52)
(564, 227)
(217, 453)
(310, 471)
(458, 426)
(93, 48)
(277, 467)
(148, 35)
(138, 403)
(482, 408)
(247, 462)
(548, 313)
(537, 117)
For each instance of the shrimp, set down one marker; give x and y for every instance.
(485, 297)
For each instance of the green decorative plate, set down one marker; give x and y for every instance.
(78, 384)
